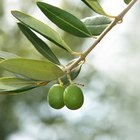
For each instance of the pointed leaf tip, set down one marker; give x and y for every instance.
(127, 1)
(95, 6)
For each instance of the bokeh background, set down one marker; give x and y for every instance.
(111, 76)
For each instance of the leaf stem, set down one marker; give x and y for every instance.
(116, 20)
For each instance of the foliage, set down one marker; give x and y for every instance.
(31, 73)
(110, 101)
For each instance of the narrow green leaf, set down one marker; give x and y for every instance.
(6, 55)
(17, 92)
(127, 1)
(64, 20)
(96, 24)
(13, 84)
(3, 92)
(41, 28)
(95, 6)
(39, 44)
(34, 69)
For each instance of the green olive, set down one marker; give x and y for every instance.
(73, 97)
(55, 96)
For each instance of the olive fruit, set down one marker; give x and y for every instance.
(73, 97)
(55, 96)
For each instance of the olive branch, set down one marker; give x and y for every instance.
(117, 19)
(30, 73)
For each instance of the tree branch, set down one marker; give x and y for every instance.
(116, 20)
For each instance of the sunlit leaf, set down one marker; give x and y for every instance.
(127, 1)
(64, 20)
(96, 24)
(41, 28)
(13, 84)
(34, 69)
(39, 44)
(95, 6)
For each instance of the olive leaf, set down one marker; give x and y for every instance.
(42, 29)
(16, 92)
(34, 69)
(127, 1)
(96, 24)
(64, 20)
(6, 55)
(39, 44)
(12, 85)
(95, 6)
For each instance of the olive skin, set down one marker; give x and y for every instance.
(73, 97)
(55, 96)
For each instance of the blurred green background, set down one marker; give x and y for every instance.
(111, 76)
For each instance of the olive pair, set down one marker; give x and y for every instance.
(72, 97)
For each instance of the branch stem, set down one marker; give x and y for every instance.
(116, 20)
